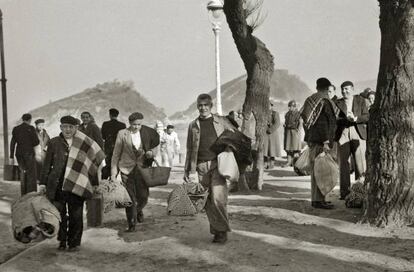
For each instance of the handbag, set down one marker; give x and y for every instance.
(326, 172)
(11, 172)
(155, 176)
(302, 164)
(227, 166)
(95, 210)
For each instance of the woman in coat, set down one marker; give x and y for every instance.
(272, 141)
(292, 142)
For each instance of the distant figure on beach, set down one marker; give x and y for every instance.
(43, 140)
(292, 141)
(90, 128)
(272, 140)
(172, 146)
(109, 132)
(27, 152)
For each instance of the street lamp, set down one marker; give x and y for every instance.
(4, 94)
(215, 11)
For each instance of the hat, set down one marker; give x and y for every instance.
(347, 83)
(68, 120)
(39, 121)
(322, 83)
(135, 116)
(26, 117)
(114, 112)
(170, 126)
(292, 103)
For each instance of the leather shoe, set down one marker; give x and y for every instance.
(62, 245)
(322, 205)
(73, 248)
(220, 238)
(140, 216)
(131, 229)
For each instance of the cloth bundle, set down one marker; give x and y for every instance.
(355, 198)
(227, 166)
(326, 172)
(302, 164)
(34, 217)
(187, 199)
(114, 195)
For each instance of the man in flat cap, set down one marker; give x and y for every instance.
(43, 141)
(351, 135)
(27, 152)
(69, 177)
(319, 121)
(135, 148)
(109, 132)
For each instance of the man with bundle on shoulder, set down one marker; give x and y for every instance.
(319, 121)
(69, 177)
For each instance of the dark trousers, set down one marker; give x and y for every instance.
(70, 207)
(106, 171)
(27, 165)
(138, 191)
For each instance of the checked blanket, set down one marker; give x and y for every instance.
(312, 108)
(85, 157)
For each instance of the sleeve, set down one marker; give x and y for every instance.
(35, 139)
(116, 154)
(104, 131)
(187, 165)
(12, 144)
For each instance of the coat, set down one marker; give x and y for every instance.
(323, 130)
(24, 135)
(109, 132)
(124, 155)
(193, 140)
(292, 141)
(361, 111)
(54, 166)
(92, 131)
(272, 145)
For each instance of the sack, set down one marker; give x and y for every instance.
(11, 172)
(95, 209)
(187, 199)
(114, 194)
(326, 172)
(155, 176)
(355, 198)
(227, 166)
(240, 144)
(302, 164)
(34, 217)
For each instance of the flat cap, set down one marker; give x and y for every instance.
(69, 120)
(39, 121)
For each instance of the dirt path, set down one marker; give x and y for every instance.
(274, 230)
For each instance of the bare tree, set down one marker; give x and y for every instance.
(259, 65)
(390, 155)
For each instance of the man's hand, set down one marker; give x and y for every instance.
(326, 147)
(149, 154)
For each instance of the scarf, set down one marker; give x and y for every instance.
(85, 157)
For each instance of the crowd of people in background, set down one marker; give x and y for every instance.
(70, 166)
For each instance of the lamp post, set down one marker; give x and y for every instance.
(4, 94)
(215, 10)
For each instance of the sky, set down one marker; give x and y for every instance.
(56, 48)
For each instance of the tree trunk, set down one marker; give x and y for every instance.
(390, 155)
(259, 65)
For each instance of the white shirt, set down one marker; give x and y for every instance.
(136, 139)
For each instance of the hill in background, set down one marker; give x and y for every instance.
(283, 87)
(98, 100)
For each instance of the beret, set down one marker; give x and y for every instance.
(39, 121)
(135, 116)
(113, 111)
(68, 120)
(322, 83)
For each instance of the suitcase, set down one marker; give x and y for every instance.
(11, 172)
(95, 210)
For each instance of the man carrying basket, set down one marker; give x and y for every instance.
(135, 149)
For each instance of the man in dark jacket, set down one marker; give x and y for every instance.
(351, 135)
(135, 148)
(69, 204)
(89, 128)
(27, 152)
(318, 114)
(109, 131)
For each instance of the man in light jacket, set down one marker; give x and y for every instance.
(135, 148)
(202, 133)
